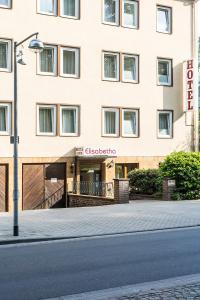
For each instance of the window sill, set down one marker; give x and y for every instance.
(110, 24)
(70, 17)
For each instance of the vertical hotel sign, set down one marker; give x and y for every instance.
(188, 85)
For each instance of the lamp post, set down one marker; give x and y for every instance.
(37, 46)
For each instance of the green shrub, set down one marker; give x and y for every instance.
(145, 181)
(184, 167)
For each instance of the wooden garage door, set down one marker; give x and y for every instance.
(3, 188)
(43, 183)
(33, 185)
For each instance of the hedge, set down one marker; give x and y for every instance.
(145, 181)
(184, 167)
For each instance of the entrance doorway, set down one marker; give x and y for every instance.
(90, 178)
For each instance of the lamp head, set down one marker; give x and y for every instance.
(36, 45)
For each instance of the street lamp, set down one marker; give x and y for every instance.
(36, 46)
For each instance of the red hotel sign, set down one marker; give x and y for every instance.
(89, 151)
(189, 84)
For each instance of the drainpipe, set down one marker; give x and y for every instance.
(195, 60)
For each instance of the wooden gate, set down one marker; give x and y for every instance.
(44, 185)
(3, 188)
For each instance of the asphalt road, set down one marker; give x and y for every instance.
(62, 268)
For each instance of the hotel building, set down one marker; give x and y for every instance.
(105, 96)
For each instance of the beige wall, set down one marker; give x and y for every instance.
(90, 91)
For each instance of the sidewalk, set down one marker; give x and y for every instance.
(179, 288)
(81, 222)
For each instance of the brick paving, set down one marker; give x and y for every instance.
(73, 222)
(186, 292)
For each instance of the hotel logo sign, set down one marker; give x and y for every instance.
(188, 69)
(90, 151)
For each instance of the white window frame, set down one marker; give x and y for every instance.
(137, 68)
(68, 107)
(7, 6)
(9, 56)
(54, 123)
(118, 66)
(169, 10)
(137, 122)
(9, 117)
(55, 3)
(116, 23)
(117, 120)
(77, 62)
(54, 73)
(170, 71)
(162, 136)
(137, 14)
(77, 10)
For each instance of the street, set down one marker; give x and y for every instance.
(46, 270)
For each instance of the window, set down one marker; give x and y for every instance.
(46, 120)
(69, 62)
(164, 71)
(122, 170)
(5, 3)
(111, 122)
(165, 124)
(130, 68)
(48, 61)
(5, 119)
(130, 13)
(48, 7)
(68, 121)
(111, 66)
(5, 55)
(129, 123)
(164, 19)
(111, 12)
(69, 8)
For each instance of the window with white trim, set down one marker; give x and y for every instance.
(111, 66)
(5, 119)
(110, 122)
(69, 120)
(111, 12)
(5, 55)
(47, 62)
(46, 119)
(70, 8)
(165, 124)
(164, 19)
(130, 68)
(47, 7)
(130, 123)
(69, 62)
(130, 10)
(5, 3)
(164, 70)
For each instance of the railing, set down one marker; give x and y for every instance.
(95, 188)
(51, 200)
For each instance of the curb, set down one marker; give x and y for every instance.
(48, 239)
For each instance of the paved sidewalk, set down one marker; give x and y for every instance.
(73, 222)
(179, 288)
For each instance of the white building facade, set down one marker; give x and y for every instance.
(104, 97)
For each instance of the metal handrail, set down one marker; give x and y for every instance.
(93, 188)
(50, 199)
